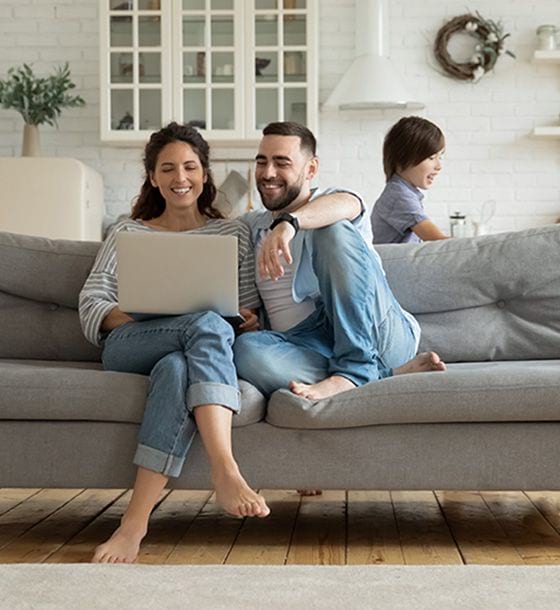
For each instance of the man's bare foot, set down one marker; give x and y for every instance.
(422, 363)
(310, 492)
(122, 546)
(236, 497)
(323, 389)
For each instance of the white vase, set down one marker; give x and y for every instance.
(31, 146)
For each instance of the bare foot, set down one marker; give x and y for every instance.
(122, 546)
(422, 363)
(236, 497)
(323, 389)
(310, 492)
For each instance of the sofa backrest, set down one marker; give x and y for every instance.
(495, 297)
(40, 280)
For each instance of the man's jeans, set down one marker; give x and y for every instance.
(358, 330)
(190, 362)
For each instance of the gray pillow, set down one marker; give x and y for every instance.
(494, 297)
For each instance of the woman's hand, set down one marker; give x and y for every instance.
(114, 319)
(251, 321)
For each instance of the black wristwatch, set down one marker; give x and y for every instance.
(285, 217)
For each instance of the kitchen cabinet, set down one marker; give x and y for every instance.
(228, 67)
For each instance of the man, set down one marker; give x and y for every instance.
(334, 321)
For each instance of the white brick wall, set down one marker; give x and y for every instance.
(490, 152)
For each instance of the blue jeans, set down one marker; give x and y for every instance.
(358, 330)
(189, 360)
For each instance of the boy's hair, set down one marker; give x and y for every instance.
(289, 128)
(409, 142)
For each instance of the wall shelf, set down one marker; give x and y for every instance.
(546, 57)
(552, 131)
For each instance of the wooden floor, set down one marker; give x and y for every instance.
(354, 527)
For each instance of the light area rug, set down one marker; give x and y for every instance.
(82, 586)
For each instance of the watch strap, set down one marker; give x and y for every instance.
(285, 217)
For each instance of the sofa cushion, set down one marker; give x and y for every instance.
(41, 330)
(40, 281)
(468, 392)
(82, 391)
(46, 270)
(494, 297)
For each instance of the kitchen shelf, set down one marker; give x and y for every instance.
(552, 131)
(546, 57)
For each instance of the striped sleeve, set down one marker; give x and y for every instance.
(248, 294)
(99, 293)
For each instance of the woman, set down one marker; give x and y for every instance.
(189, 357)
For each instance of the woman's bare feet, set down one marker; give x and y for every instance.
(123, 546)
(236, 497)
(422, 363)
(323, 389)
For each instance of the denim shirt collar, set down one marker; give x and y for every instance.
(402, 183)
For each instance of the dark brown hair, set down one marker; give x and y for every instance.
(289, 128)
(409, 142)
(150, 203)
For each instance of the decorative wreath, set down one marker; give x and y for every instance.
(490, 39)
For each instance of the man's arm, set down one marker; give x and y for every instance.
(321, 211)
(325, 210)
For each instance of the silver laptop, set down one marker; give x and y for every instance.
(176, 273)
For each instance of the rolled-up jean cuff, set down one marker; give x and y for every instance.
(357, 380)
(209, 393)
(158, 461)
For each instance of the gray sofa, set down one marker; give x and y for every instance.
(489, 305)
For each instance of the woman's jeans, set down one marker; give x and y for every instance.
(358, 330)
(189, 360)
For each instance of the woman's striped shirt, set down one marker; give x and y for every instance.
(99, 293)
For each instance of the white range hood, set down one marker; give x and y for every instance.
(372, 81)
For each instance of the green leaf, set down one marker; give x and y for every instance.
(39, 100)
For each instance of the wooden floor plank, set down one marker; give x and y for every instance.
(536, 541)
(37, 543)
(477, 533)
(169, 522)
(37, 507)
(267, 541)
(320, 533)
(500, 528)
(372, 530)
(548, 504)
(209, 539)
(80, 548)
(11, 496)
(424, 535)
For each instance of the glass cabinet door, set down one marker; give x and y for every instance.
(136, 98)
(210, 68)
(228, 67)
(284, 33)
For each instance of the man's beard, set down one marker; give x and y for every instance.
(291, 194)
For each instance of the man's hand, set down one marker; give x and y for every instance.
(251, 321)
(275, 245)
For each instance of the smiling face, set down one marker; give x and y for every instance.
(423, 175)
(178, 175)
(283, 172)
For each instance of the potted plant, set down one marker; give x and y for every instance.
(38, 100)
